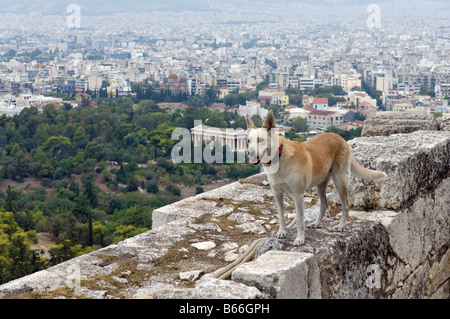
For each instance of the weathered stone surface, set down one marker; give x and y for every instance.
(407, 250)
(142, 248)
(241, 218)
(205, 245)
(342, 257)
(249, 190)
(61, 275)
(191, 275)
(238, 192)
(255, 227)
(395, 123)
(415, 163)
(422, 228)
(206, 288)
(191, 207)
(445, 125)
(282, 275)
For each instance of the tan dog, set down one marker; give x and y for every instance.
(293, 167)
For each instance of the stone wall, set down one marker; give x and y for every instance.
(389, 123)
(395, 244)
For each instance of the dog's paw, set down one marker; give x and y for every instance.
(338, 228)
(299, 241)
(313, 225)
(281, 234)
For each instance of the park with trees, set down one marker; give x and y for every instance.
(92, 176)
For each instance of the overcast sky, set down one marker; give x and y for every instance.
(99, 7)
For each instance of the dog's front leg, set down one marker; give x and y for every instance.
(300, 209)
(280, 208)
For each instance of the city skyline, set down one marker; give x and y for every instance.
(348, 44)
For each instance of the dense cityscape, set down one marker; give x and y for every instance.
(91, 93)
(44, 54)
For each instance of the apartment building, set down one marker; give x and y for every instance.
(252, 108)
(349, 81)
(307, 84)
(442, 90)
(273, 96)
(323, 119)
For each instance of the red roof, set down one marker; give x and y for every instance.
(314, 111)
(356, 123)
(321, 100)
(173, 76)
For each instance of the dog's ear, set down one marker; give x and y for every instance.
(249, 122)
(269, 123)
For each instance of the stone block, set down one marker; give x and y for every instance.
(415, 163)
(282, 275)
(189, 207)
(206, 288)
(397, 123)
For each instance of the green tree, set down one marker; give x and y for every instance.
(90, 192)
(230, 100)
(56, 144)
(123, 232)
(24, 260)
(47, 170)
(115, 204)
(300, 124)
(81, 209)
(80, 138)
(61, 252)
(16, 257)
(92, 150)
(10, 204)
(151, 186)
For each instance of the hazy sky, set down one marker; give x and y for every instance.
(110, 6)
(394, 9)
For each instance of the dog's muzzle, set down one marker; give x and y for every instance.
(256, 160)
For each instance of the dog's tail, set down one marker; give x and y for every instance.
(366, 173)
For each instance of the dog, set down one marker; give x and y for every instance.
(293, 167)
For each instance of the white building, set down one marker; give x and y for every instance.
(308, 83)
(235, 139)
(252, 108)
(298, 112)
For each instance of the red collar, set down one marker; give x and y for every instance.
(280, 150)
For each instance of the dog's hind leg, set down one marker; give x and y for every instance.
(322, 192)
(281, 217)
(341, 183)
(300, 210)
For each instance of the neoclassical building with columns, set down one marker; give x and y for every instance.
(235, 139)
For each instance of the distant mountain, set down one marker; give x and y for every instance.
(100, 7)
